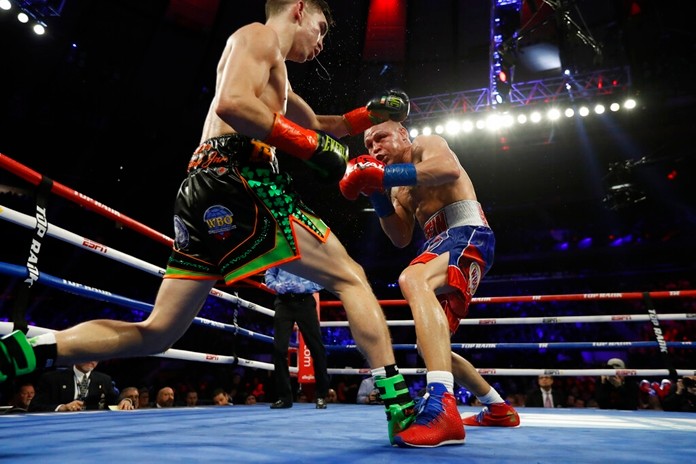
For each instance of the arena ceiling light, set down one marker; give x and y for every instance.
(31, 12)
(494, 122)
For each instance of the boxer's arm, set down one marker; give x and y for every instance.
(300, 112)
(246, 67)
(399, 225)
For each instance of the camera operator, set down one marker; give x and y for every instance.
(683, 397)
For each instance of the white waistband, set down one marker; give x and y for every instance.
(460, 213)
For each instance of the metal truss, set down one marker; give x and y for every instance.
(590, 86)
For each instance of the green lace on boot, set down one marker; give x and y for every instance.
(399, 405)
(16, 356)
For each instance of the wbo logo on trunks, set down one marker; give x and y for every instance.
(220, 221)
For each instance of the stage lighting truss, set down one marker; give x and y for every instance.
(551, 100)
(33, 13)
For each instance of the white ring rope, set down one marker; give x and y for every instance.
(6, 327)
(543, 320)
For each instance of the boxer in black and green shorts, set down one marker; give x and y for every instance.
(234, 213)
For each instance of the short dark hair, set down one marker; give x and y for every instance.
(275, 6)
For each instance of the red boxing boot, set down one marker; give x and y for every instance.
(437, 422)
(494, 415)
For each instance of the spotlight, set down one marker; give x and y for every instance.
(39, 29)
(493, 122)
(22, 17)
(535, 117)
(5, 5)
(439, 129)
(599, 109)
(615, 107)
(630, 104)
(467, 126)
(480, 124)
(569, 112)
(522, 118)
(452, 127)
(584, 111)
(553, 114)
(427, 130)
(413, 133)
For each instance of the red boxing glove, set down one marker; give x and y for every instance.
(364, 174)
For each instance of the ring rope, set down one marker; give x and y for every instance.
(535, 346)
(542, 320)
(54, 231)
(67, 193)
(536, 372)
(539, 298)
(172, 353)
(6, 327)
(104, 295)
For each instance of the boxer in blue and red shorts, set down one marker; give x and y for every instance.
(422, 181)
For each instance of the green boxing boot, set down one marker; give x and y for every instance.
(16, 356)
(399, 405)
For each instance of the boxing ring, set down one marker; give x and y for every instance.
(343, 432)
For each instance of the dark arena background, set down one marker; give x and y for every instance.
(573, 118)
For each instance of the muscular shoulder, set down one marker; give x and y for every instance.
(257, 36)
(425, 146)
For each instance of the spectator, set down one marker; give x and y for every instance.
(22, 398)
(545, 396)
(251, 399)
(617, 391)
(144, 398)
(192, 398)
(165, 398)
(129, 399)
(368, 393)
(331, 396)
(683, 397)
(302, 397)
(221, 398)
(75, 389)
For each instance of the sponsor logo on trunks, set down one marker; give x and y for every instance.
(435, 225)
(474, 277)
(205, 156)
(220, 221)
(181, 234)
